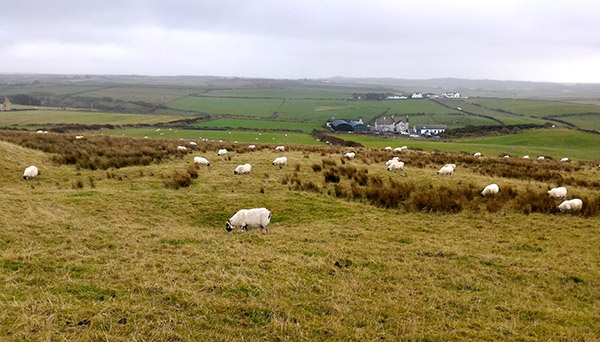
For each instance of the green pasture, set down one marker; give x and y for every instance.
(212, 135)
(283, 93)
(535, 108)
(50, 117)
(583, 121)
(235, 106)
(555, 143)
(145, 93)
(260, 125)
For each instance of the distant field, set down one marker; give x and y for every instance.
(556, 143)
(53, 117)
(281, 93)
(535, 108)
(212, 105)
(260, 125)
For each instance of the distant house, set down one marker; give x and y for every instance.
(5, 104)
(452, 95)
(391, 125)
(416, 96)
(429, 129)
(341, 125)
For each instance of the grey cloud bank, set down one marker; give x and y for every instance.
(507, 40)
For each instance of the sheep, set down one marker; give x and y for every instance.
(201, 161)
(387, 148)
(30, 173)
(574, 204)
(255, 217)
(477, 154)
(242, 169)
(447, 169)
(526, 156)
(491, 189)
(350, 155)
(395, 159)
(559, 192)
(507, 156)
(396, 165)
(400, 149)
(280, 161)
(222, 152)
(540, 158)
(280, 148)
(565, 159)
(193, 143)
(79, 137)
(252, 147)
(181, 148)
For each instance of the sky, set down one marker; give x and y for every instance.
(524, 40)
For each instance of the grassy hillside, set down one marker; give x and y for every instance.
(116, 254)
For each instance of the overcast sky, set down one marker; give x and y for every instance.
(531, 40)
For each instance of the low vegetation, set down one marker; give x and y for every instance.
(139, 251)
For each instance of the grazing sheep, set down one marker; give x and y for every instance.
(507, 156)
(244, 218)
(222, 152)
(526, 156)
(30, 173)
(242, 169)
(447, 169)
(252, 147)
(565, 159)
(540, 158)
(79, 137)
(477, 154)
(400, 149)
(560, 192)
(491, 189)
(395, 159)
(201, 161)
(396, 165)
(574, 204)
(193, 143)
(280, 161)
(181, 148)
(387, 148)
(350, 155)
(280, 148)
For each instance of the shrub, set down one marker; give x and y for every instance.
(535, 202)
(443, 199)
(178, 179)
(331, 176)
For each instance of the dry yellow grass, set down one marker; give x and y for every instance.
(115, 255)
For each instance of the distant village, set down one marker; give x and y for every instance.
(391, 124)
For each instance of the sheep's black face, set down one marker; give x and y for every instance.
(228, 226)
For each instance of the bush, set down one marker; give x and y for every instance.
(178, 179)
(535, 202)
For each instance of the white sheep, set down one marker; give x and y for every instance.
(181, 148)
(491, 189)
(396, 165)
(387, 148)
(540, 158)
(222, 152)
(447, 169)
(244, 218)
(79, 137)
(201, 161)
(560, 192)
(193, 143)
(507, 156)
(280, 161)
(280, 148)
(350, 155)
(242, 169)
(477, 154)
(395, 159)
(400, 149)
(574, 204)
(252, 147)
(30, 173)
(565, 159)
(526, 156)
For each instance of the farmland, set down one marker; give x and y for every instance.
(92, 251)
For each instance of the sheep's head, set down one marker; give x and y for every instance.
(228, 226)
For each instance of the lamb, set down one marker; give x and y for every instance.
(350, 155)
(280, 161)
(222, 152)
(280, 148)
(491, 189)
(447, 169)
(560, 192)
(242, 169)
(30, 173)
(181, 148)
(396, 165)
(477, 154)
(255, 217)
(201, 161)
(574, 204)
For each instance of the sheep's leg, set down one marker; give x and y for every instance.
(245, 227)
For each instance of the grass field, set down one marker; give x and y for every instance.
(260, 125)
(115, 255)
